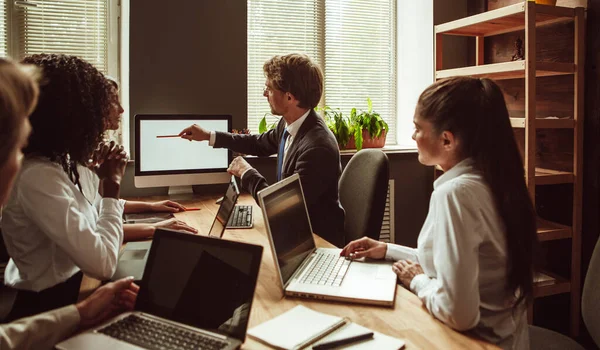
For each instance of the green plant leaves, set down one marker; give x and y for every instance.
(358, 138)
(338, 124)
(262, 126)
(343, 128)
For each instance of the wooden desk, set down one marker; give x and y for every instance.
(407, 320)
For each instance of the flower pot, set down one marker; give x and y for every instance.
(368, 142)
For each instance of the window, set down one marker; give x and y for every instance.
(72, 27)
(3, 32)
(84, 28)
(353, 41)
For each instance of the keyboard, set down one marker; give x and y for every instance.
(152, 334)
(326, 269)
(241, 217)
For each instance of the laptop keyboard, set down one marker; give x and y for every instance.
(241, 217)
(156, 335)
(327, 269)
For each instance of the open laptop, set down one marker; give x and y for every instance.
(196, 293)
(225, 209)
(307, 271)
(135, 254)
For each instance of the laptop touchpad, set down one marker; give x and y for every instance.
(134, 254)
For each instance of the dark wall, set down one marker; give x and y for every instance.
(188, 57)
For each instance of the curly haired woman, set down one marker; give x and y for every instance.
(53, 232)
(93, 188)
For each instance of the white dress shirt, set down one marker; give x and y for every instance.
(292, 129)
(462, 250)
(52, 231)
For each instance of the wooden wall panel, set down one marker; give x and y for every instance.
(554, 96)
(554, 44)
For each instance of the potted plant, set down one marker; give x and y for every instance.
(367, 128)
(338, 124)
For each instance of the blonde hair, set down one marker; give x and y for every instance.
(297, 74)
(19, 92)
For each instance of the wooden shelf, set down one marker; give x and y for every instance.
(552, 177)
(549, 231)
(504, 20)
(545, 123)
(508, 70)
(550, 284)
(545, 176)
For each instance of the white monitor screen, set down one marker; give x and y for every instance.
(176, 154)
(164, 159)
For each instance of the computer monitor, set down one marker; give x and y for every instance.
(163, 159)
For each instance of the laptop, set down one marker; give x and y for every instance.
(307, 271)
(225, 210)
(135, 254)
(196, 293)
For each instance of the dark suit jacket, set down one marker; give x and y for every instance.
(314, 155)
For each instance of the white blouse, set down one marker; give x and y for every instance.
(462, 250)
(51, 230)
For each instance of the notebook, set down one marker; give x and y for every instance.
(301, 327)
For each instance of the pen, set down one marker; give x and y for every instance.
(191, 209)
(166, 136)
(344, 341)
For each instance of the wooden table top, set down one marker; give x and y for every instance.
(407, 320)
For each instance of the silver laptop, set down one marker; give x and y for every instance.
(196, 294)
(307, 271)
(132, 260)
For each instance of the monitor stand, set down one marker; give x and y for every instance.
(181, 191)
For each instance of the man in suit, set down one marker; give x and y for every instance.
(301, 140)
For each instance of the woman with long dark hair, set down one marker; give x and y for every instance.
(53, 232)
(92, 188)
(473, 266)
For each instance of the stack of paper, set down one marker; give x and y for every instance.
(301, 327)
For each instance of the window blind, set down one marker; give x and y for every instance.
(3, 28)
(360, 57)
(353, 41)
(73, 27)
(276, 28)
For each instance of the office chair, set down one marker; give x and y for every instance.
(541, 338)
(363, 190)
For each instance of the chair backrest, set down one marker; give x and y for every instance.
(590, 300)
(363, 191)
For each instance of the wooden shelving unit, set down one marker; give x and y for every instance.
(508, 70)
(529, 16)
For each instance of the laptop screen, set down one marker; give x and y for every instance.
(225, 210)
(200, 281)
(290, 227)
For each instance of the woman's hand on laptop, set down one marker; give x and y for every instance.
(107, 301)
(365, 248)
(175, 224)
